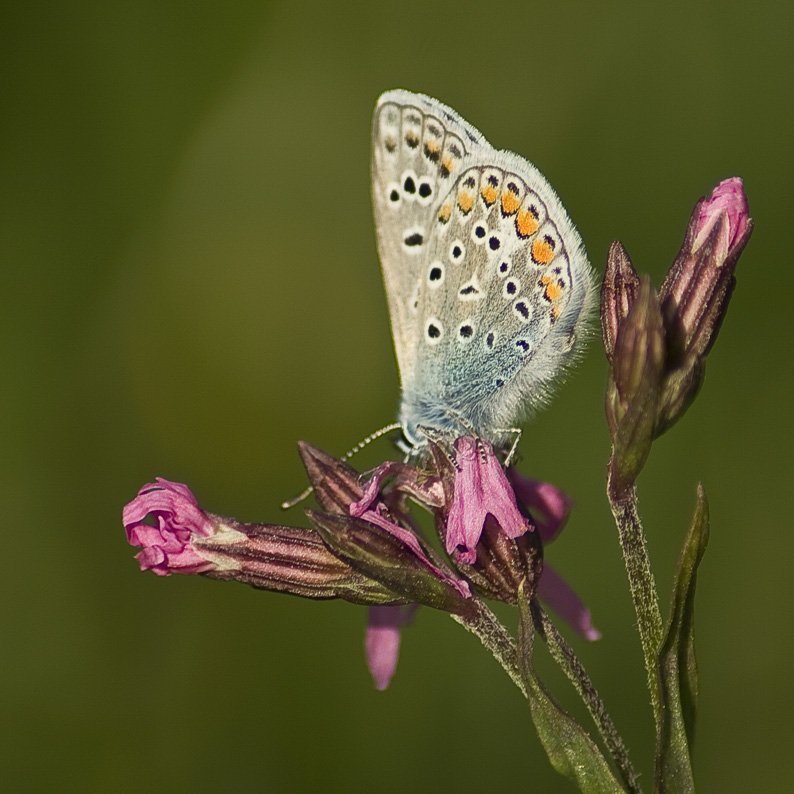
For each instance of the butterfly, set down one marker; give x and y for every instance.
(487, 280)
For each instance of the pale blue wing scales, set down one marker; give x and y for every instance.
(505, 289)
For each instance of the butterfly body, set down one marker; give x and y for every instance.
(487, 280)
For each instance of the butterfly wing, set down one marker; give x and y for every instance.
(491, 288)
(417, 146)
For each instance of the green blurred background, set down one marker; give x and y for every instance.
(190, 285)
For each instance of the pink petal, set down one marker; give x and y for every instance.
(383, 643)
(728, 200)
(412, 542)
(547, 504)
(480, 488)
(167, 545)
(559, 595)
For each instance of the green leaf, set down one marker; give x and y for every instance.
(677, 667)
(570, 750)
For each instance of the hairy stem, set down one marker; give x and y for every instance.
(623, 502)
(563, 654)
(495, 637)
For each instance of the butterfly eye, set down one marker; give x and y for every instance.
(413, 238)
(408, 185)
(394, 195)
(523, 310)
(470, 291)
(466, 331)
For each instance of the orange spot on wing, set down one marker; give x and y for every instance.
(553, 292)
(555, 313)
(432, 146)
(489, 194)
(444, 213)
(542, 252)
(465, 201)
(447, 163)
(509, 202)
(526, 223)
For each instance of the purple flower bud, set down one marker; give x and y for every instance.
(168, 545)
(696, 291)
(618, 291)
(391, 555)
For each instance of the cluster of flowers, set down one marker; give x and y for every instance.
(364, 546)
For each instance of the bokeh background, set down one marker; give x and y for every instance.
(190, 285)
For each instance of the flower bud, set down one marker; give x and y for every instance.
(633, 393)
(618, 291)
(392, 556)
(696, 291)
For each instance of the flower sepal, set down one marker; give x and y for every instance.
(387, 555)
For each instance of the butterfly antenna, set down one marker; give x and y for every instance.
(369, 439)
(349, 454)
(296, 500)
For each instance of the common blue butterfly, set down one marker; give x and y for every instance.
(487, 280)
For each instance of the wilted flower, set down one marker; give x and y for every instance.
(186, 539)
(168, 543)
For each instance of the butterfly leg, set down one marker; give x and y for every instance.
(517, 431)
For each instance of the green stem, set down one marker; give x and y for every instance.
(623, 502)
(563, 654)
(495, 637)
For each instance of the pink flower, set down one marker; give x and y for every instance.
(481, 489)
(168, 544)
